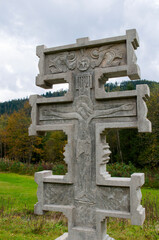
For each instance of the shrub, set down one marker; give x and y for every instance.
(115, 169)
(121, 169)
(4, 165)
(59, 169)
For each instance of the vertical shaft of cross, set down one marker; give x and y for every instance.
(84, 196)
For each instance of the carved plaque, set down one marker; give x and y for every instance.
(85, 59)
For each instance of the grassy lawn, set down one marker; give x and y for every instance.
(19, 189)
(17, 221)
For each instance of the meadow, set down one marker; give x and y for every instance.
(18, 222)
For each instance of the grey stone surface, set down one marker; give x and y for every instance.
(87, 194)
(63, 237)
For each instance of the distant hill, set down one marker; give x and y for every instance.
(129, 85)
(9, 107)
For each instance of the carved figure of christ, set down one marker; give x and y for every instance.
(87, 113)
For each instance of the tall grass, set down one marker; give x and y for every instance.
(122, 228)
(25, 225)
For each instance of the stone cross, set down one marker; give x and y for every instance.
(87, 194)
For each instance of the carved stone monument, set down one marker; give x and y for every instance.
(87, 194)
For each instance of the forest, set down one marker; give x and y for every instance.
(127, 146)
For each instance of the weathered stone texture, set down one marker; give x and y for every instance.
(87, 194)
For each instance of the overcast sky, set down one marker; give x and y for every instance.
(24, 24)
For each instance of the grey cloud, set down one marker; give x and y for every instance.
(25, 24)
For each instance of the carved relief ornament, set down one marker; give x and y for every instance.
(105, 56)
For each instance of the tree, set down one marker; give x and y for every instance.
(150, 155)
(54, 144)
(22, 147)
(3, 124)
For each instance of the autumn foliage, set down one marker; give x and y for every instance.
(16, 144)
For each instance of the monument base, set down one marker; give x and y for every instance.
(62, 237)
(107, 237)
(65, 235)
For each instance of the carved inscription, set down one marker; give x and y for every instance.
(86, 59)
(84, 81)
(58, 194)
(113, 198)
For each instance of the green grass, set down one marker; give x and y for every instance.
(17, 221)
(153, 193)
(21, 190)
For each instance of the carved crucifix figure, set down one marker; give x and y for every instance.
(87, 194)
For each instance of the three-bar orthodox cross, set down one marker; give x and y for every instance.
(87, 194)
